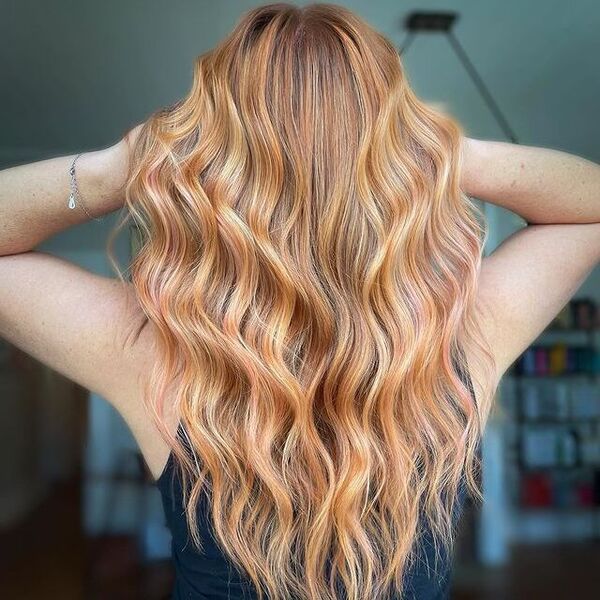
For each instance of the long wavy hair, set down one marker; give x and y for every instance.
(310, 263)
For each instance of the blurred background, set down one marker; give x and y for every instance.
(79, 517)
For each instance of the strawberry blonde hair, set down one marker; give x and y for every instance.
(310, 265)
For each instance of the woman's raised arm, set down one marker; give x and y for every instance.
(532, 274)
(34, 196)
(542, 185)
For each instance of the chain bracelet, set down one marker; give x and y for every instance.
(75, 196)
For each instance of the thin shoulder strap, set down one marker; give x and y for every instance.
(462, 369)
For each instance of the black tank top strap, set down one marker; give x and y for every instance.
(167, 483)
(462, 368)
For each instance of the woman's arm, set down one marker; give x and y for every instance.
(531, 275)
(542, 185)
(79, 323)
(34, 196)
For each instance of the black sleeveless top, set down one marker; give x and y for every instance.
(211, 576)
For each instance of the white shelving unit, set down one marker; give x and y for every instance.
(552, 444)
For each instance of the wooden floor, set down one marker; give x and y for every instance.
(546, 572)
(48, 557)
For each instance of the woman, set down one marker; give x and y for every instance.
(309, 345)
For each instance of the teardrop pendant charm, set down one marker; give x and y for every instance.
(71, 201)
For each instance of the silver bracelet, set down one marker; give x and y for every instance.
(75, 196)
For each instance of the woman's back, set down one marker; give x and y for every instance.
(210, 575)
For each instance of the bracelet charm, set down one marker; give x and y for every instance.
(75, 192)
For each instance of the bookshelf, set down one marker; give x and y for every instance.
(553, 429)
